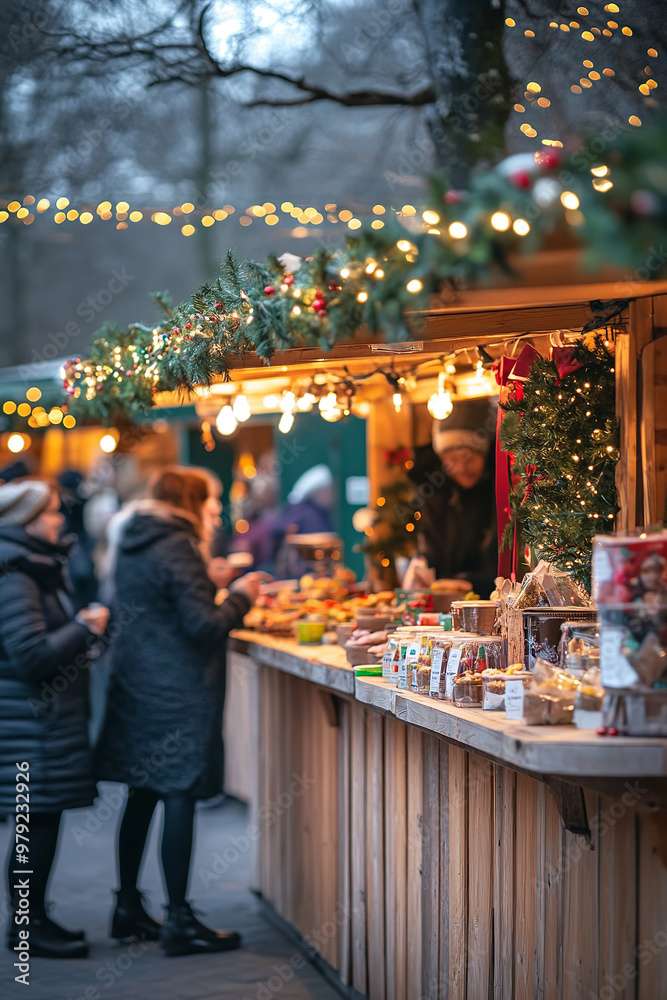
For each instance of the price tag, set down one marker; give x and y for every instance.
(411, 656)
(436, 670)
(388, 661)
(514, 699)
(452, 670)
(615, 670)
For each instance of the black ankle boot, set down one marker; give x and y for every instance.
(64, 933)
(46, 939)
(130, 919)
(183, 934)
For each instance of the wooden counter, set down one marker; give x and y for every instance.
(421, 849)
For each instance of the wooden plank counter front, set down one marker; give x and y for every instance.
(420, 849)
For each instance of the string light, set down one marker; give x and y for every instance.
(225, 422)
(241, 408)
(440, 404)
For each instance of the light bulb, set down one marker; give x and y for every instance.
(305, 403)
(241, 408)
(16, 443)
(286, 422)
(328, 402)
(397, 400)
(332, 415)
(225, 421)
(108, 443)
(288, 401)
(440, 404)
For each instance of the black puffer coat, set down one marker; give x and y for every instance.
(163, 727)
(43, 678)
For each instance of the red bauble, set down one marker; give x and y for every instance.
(188, 325)
(452, 197)
(522, 179)
(269, 290)
(288, 279)
(319, 304)
(219, 306)
(548, 160)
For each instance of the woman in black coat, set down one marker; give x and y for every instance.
(162, 735)
(43, 702)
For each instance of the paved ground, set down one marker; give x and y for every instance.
(268, 968)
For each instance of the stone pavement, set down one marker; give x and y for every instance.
(267, 968)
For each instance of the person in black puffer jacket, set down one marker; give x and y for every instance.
(162, 734)
(43, 699)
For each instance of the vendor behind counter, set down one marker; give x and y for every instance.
(454, 479)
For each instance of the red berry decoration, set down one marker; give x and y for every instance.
(522, 179)
(452, 197)
(334, 287)
(188, 325)
(288, 279)
(219, 306)
(175, 329)
(269, 290)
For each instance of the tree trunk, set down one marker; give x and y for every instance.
(465, 53)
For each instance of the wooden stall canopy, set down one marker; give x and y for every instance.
(558, 295)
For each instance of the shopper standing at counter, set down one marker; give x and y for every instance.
(455, 494)
(162, 732)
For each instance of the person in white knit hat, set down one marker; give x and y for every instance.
(43, 698)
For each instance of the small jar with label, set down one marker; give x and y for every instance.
(421, 669)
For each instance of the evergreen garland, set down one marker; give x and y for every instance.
(616, 196)
(562, 433)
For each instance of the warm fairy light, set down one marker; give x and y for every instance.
(414, 286)
(569, 200)
(500, 221)
(161, 218)
(362, 296)
(136, 216)
(55, 415)
(188, 229)
(600, 171)
(33, 394)
(17, 443)
(405, 246)
(588, 36)
(397, 401)
(457, 230)
(23, 409)
(603, 184)
(510, 22)
(69, 421)
(533, 88)
(430, 217)
(634, 120)
(61, 203)
(86, 218)
(43, 204)
(108, 443)
(408, 210)
(207, 221)
(521, 227)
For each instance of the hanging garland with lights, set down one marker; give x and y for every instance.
(382, 277)
(560, 428)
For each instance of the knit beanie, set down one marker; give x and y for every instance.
(21, 501)
(470, 425)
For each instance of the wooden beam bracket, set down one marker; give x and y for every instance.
(571, 804)
(332, 708)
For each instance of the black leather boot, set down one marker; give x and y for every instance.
(183, 934)
(64, 933)
(46, 939)
(130, 919)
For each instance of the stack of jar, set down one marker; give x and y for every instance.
(444, 663)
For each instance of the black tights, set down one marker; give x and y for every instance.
(44, 829)
(177, 836)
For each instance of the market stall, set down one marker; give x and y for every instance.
(422, 847)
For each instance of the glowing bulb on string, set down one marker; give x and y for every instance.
(440, 404)
(288, 402)
(328, 402)
(397, 400)
(108, 443)
(16, 443)
(241, 408)
(305, 403)
(286, 422)
(225, 421)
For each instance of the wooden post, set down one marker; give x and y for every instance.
(386, 430)
(628, 411)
